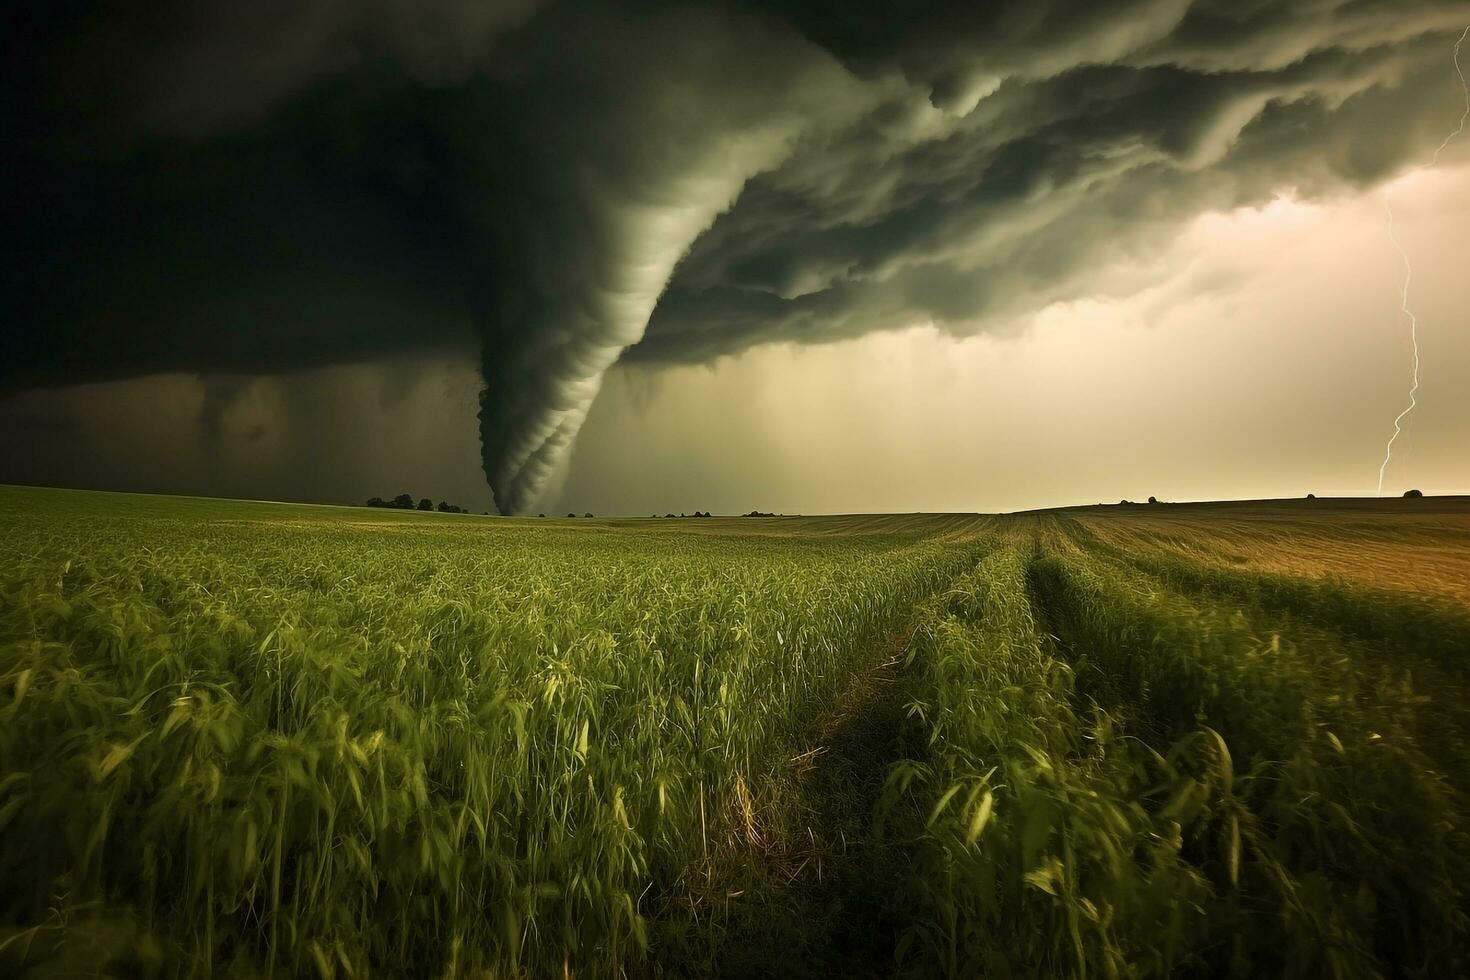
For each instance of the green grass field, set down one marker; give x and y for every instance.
(252, 739)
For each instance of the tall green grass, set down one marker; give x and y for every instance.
(1119, 781)
(1401, 625)
(1046, 842)
(246, 739)
(1353, 854)
(366, 750)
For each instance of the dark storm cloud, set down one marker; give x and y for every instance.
(233, 189)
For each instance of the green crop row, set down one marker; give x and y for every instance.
(1046, 841)
(1353, 853)
(351, 750)
(1403, 626)
(1120, 781)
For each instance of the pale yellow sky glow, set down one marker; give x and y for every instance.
(1268, 360)
(1262, 354)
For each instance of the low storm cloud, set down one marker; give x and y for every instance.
(551, 187)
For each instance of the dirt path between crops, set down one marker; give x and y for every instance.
(825, 903)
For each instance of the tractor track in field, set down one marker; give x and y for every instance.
(834, 906)
(1092, 687)
(820, 895)
(824, 898)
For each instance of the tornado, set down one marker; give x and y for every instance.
(625, 183)
(549, 187)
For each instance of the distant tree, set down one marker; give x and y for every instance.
(587, 514)
(540, 515)
(377, 502)
(403, 502)
(1153, 500)
(571, 515)
(446, 507)
(1123, 502)
(426, 504)
(1413, 494)
(668, 517)
(1311, 496)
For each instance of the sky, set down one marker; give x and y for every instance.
(636, 258)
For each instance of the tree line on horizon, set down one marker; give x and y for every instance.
(405, 501)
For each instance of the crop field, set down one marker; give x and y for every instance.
(247, 739)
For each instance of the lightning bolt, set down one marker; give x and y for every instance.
(1464, 88)
(1409, 272)
(1414, 336)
